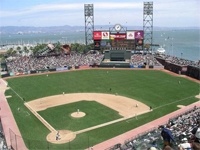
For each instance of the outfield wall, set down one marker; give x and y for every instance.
(191, 71)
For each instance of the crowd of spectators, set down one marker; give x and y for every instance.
(2, 139)
(183, 132)
(140, 59)
(183, 128)
(180, 61)
(137, 60)
(27, 63)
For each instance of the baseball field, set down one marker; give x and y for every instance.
(91, 106)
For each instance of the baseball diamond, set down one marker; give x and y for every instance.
(124, 106)
(113, 101)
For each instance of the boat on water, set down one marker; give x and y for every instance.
(160, 50)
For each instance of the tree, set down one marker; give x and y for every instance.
(38, 48)
(14, 52)
(26, 50)
(57, 48)
(82, 48)
(9, 52)
(18, 48)
(74, 47)
(147, 46)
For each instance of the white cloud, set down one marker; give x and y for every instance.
(41, 8)
(56, 7)
(68, 7)
(119, 5)
(105, 12)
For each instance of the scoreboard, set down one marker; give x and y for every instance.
(128, 40)
(123, 44)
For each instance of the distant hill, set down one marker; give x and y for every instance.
(30, 29)
(67, 28)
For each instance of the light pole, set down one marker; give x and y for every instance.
(171, 44)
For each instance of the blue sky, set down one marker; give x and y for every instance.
(167, 13)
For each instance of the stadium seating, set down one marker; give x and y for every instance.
(181, 127)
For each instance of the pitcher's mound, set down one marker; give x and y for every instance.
(65, 136)
(78, 114)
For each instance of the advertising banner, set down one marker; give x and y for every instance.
(130, 35)
(105, 35)
(105, 43)
(117, 36)
(97, 35)
(139, 34)
(61, 68)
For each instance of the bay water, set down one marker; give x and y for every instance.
(182, 43)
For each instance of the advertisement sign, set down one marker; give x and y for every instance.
(139, 34)
(117, 36)
(105, 43)
(105, 35)
(61, 68)
(97, 35)
(130, 35)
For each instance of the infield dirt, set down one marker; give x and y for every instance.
(124, 105)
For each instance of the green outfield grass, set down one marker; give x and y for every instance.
(151, 87)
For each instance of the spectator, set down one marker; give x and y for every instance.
(167, 136)
(196, 137)
(154, 146)
(185, 145)
(167, 148)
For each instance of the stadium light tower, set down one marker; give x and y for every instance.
(89, 23)
(148, 25)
